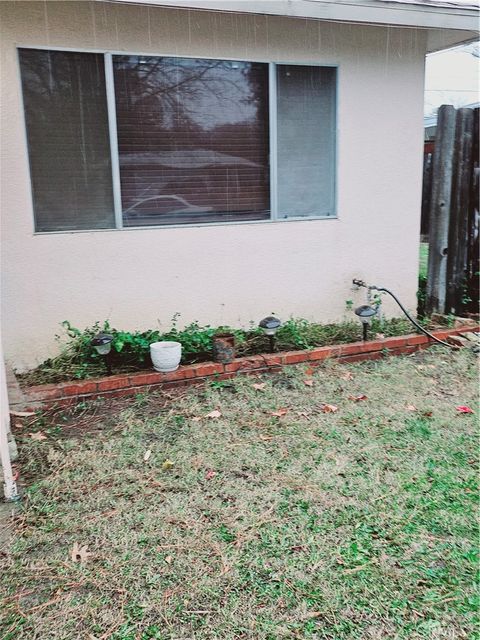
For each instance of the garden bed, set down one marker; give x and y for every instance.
(133, 383)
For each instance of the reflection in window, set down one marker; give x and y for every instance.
(67, 131)
(192, 139)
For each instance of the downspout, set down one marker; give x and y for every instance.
(9, 485)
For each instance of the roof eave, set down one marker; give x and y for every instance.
(365, 11)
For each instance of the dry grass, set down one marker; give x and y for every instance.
(356, 524)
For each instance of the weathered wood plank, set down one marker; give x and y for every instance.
(459, 212)
(440, 210)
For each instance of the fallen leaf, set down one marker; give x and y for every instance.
(259, 386)
(348, 375)
(18, 425)
(308, 383)
(38, 435)
(302, 414)
(361, 396)
(279, 413)
(147, 455)
(169, 559)
(210, 474)
(464, 409)
(309, 371)
(168, 464)
(22, 414)
(427, 414)
(196, 419)
(214, 414)
(379, 336)
(79, 553)
(411, 407)
(329, 408)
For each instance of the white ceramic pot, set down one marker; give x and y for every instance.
(165, 355)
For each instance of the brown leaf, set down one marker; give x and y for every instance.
(379, 336)
(302, 414)
(79, 553)
(358, 398)
(22, 414)
(259, 386)
(279, 413)
(38, 435)
(329, 408)
(308, 383)
(348, 375)
(411, 407)
(214, 414)
(196, 419)
(210, 474)
(309, 371)
(169, 559)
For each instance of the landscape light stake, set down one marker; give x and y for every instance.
(270, 325)
(102, 344)
(365, 314)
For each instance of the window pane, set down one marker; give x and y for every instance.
(67, 131)
(306, 141)
(193, 140)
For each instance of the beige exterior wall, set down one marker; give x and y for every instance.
(228, 273)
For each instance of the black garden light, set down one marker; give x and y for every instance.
(365, 314)
(102, 343)
(270, 325)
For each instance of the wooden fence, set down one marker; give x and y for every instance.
(450, 212)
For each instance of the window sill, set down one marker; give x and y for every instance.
(197, 225)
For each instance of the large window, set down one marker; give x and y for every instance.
(127, 140)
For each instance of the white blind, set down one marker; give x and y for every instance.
(306, 140)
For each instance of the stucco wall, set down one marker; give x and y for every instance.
(232, 273)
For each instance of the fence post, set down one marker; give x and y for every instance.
(459, 212)
(473, 263)
(440, 210)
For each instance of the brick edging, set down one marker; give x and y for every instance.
(68, 393)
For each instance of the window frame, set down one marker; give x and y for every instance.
(112, 128)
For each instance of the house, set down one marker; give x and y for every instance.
(221, 159)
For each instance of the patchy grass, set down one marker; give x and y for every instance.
(346, 525)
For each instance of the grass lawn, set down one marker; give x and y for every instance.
(355, 523)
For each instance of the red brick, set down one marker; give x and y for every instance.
(205, 369)
(359, 357)
(272, 359)
(245, 364)
(395, 342)
(409, 349)
(79, 389)
(180, 374)
(145, 378)
(466, 329)
(293, 357)
(417, 339)
(44, 392)
(353, 348)
(113, 382)
(320, 353)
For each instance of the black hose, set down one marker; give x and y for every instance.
(412, 320)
